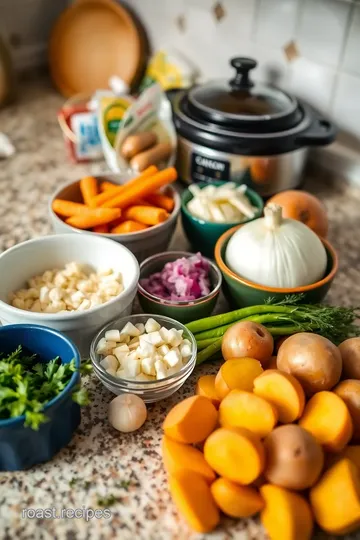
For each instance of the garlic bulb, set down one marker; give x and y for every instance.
(127, 412)
(276, 252)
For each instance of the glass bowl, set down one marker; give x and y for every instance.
(183, 311)
(149, 391)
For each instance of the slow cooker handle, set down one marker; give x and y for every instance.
(243, 66)
(320, 133)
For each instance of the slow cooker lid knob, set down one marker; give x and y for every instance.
(243, 66)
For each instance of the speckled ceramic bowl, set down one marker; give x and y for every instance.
(202, 234)
(22, 447)
(142, 243)
(241, 292)
(181, 311)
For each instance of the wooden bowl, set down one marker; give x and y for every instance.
(91, 41)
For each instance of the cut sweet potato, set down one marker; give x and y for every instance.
(351, 452)
(328, 419)
(234, 500)
(178, 457)
(191, 420)
(349, 392)
(246, 410)
(192, 497)
(286, 515)
(205, 386)
(237, 373)
(335, 499)
(283, 391)
(235, 454)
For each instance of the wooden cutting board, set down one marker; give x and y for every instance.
(91, 41)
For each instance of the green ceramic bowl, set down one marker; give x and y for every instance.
(203, 235)
(180, 311)
(240, 292)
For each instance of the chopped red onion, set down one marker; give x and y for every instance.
(182, 280)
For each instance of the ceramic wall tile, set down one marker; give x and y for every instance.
(346, 107)
(312, 82)
(351, 61)
(276, 21)
(322, 29)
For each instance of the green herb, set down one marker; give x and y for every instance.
(26, 385)
(107, 501)
(286, 317)
(72, 482)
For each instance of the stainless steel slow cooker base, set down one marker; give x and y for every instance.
(266, 174)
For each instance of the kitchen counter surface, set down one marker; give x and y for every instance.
(99, 462)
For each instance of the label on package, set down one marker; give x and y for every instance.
(205, 169)
(85, 128)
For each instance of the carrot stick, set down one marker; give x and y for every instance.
(88, 188)
(128, 227)
(101, 199)
(141, 188)
(101, 228)
(105, 186)
(93, 218)
(162, 201)
(68, 208)
(148, 215)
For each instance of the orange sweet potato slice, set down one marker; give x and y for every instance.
(235, 454)
(205, 386)
(237, 373)
(286, 514)
(246, 410)
(193, 499)
(191, 420)
(328, 419)
(235, 500)
(335, 499)
(178, 457)
(283, 391)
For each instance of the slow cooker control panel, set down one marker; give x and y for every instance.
(206, 169)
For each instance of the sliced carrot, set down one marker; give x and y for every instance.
(148, 215)
(68, 208)
(106, 186)
(140, 188)
(178, 457)
(162, 201)
(99, 200)
(128, 226)
(93, 218)
(101, 228)
(88, 188)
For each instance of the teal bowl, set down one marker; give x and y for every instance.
(241, 292)
(202, 234)
(183, 312)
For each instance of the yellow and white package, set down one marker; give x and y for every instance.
(170, 70)
(111, 107)
(147, 134)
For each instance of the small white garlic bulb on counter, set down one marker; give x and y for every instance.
(127, 413)
(276, 252)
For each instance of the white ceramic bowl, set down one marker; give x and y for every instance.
(33, 257)
(142, 244)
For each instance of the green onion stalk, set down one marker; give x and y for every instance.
(281, 319)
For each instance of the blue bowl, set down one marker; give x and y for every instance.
(22, 447)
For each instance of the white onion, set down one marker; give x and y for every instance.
(276, 252)
(127, 413)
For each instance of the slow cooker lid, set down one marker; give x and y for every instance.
(242, 103)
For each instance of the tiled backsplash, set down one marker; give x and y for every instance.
(326, 35)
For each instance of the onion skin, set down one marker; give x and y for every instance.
(294, 458)
(248, 339)
(314, 360)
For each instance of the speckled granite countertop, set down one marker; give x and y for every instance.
(99, 461)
